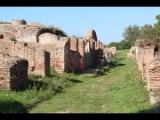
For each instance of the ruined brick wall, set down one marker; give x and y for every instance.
(66, 55)
(39, 59)
(87, 52)
(59, 53)
(13, 74)
(92, 46)
(4, 57)
(92, 39)
(27, 52)
(29, 40)
(132, 53)
(31, 32)
(100, 44)
(6, 31)
(149, 64)
(46, 38)
(147, 57)
(139, 57)
(97, 44)
(153, 75)
(82, 57)
(7, 47)
(143, 57)
(73, 54)
(42, 62)
(99, 50)
(19, 32)
(107, 55)
(92, 34)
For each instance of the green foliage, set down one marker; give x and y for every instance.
(111, 44)
(39, 89)
(132, 33)
(123, 44)
(77, 36)
(58, 29)
(148, 33)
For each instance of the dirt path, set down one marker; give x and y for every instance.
(108, 93)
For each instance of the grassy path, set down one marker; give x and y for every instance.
(119, 90)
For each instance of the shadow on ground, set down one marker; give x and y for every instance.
(74, 80)
(12, 107)
(154, 109)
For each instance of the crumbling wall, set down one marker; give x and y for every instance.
(147, 57)
(82, 57)
(59, 54)
(73, 54)
(92, 39)
(46, 38)
(39, 59)
(107, 55)
(13, 74)
(147, 63)
(99, 50)
(4, 57)
(153, 75)
(26, 40)
(28, 52)
(31, 32)
(87, 53)
(97, 45)
(132, 53)
(42, 62)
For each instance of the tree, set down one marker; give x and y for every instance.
(58, 29)
(124, 44)
(132, 33)
(77, 36)
(158, 20)
(149, 32)
(112, 44)
(157, 27)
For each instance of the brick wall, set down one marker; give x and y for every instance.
(28, 52)
(153, 75)
(73, 54)
(147, 57)
(13, 74)
(148, 64)
(82, 57)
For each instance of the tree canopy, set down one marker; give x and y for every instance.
(149, 33)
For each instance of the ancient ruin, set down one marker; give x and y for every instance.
(44, 47)
(13, 73)
(147, 60)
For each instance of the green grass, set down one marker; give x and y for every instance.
(39, 89)
(116, 88)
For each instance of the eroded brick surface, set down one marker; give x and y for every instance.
(13, 73)
(44, 47)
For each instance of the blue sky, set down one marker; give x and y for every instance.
(108, 22)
